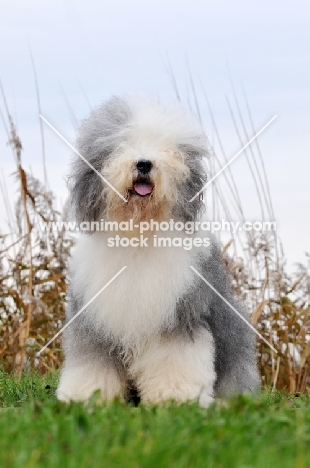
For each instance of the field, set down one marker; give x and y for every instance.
(266, 431)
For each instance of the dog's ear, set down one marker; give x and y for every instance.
(194, 156)
(86, 203)
(98, 137)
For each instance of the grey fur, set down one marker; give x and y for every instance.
(235, 357)
(190, 211)
(98, 137)
(82, 340)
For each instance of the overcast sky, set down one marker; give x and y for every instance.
(86, 51)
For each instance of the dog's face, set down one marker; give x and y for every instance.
(150, 155)
(150, 179)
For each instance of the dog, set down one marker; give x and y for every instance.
(157, 329)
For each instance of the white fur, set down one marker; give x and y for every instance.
(79, 381)
(157, 126)
(136, 314)
(141, 301)
(181, 369)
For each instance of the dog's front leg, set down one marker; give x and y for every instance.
(176, 368)
(79, 380)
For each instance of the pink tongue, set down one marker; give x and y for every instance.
(143, 189)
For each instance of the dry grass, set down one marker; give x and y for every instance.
(281, 314)
(33, 266)
(32, 274)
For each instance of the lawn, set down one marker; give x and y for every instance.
(267, 431)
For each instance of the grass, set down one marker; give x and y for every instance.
(269, 430)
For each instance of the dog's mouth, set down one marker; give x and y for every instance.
(142, 187)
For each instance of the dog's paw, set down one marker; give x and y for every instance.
(181, 392)
(180, 370)
(79, 384)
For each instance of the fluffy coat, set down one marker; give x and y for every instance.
(157, 328)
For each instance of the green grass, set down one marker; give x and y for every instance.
(267, 431)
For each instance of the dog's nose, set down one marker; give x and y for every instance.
(144, 166)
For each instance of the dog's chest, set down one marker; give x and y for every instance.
(142, 299)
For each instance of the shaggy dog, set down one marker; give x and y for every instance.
(157, 328)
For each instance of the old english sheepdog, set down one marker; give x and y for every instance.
(157, 329)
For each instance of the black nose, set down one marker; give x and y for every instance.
(144, 166)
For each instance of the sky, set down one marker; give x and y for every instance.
(84, 52)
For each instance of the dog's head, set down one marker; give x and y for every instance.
(150, 155)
